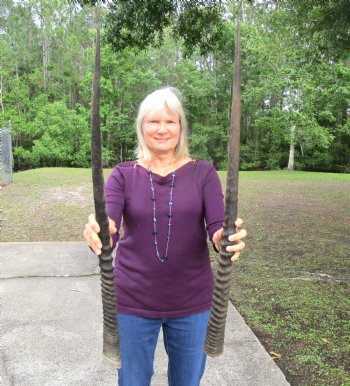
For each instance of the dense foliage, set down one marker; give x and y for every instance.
(295, 85)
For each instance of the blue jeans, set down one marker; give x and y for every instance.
(183, 340)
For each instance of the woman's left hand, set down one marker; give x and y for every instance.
(236, 248)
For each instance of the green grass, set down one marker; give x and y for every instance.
(292, 176)
(54, 176)
(292, 283)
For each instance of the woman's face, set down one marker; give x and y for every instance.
(161, 131)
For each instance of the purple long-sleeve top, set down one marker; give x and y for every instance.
(183, 284)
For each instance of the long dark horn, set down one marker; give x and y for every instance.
(110, 324)
(214, 344)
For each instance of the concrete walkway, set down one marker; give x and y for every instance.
(51, 326)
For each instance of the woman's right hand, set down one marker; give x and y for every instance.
(91, 233)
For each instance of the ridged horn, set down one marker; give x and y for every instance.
(214, 344)
(110, 325)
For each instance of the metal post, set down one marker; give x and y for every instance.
(6, 158)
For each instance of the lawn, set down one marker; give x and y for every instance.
(292, 283)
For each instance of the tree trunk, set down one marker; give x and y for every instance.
(214, 344)
(291, 149)
(45, 62)
(73, 92)
(110, 324)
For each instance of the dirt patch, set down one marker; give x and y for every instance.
(336, 187)
(44, 213)
(75, 196)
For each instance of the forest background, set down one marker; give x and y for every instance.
(295, 86)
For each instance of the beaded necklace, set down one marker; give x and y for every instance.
(170, 215)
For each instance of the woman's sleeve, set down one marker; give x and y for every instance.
(213, 202)
(115, 199)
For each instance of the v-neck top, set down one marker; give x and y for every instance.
(183, 284)
(137, 163)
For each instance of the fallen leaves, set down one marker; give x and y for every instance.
(275, 356)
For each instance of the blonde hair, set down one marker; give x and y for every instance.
(157, 101)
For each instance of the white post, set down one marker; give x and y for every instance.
(291, 149)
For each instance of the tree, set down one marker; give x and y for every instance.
(327, 22)
(324, 23)
(61, 137)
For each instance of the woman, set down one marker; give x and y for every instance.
(169, 203)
